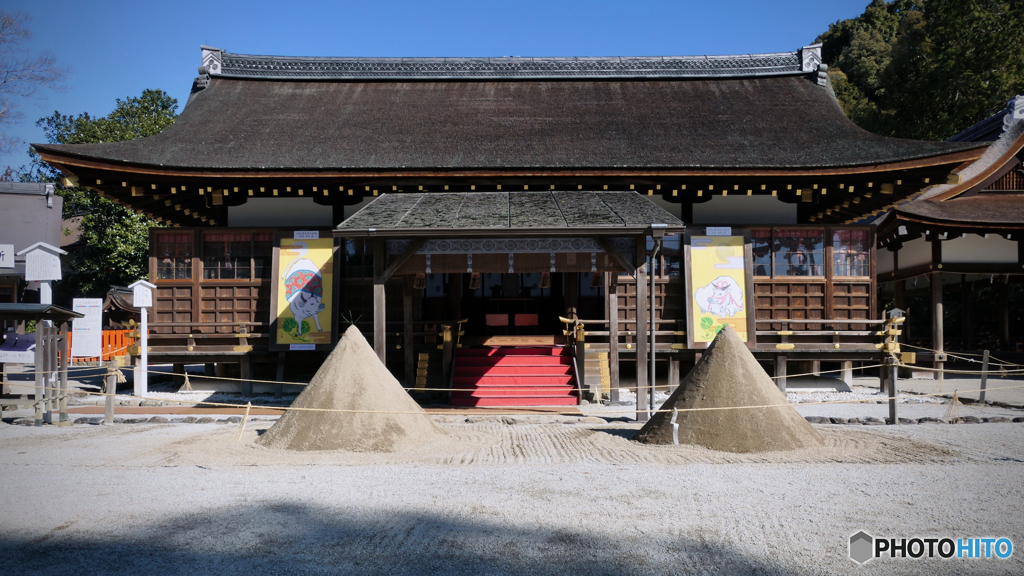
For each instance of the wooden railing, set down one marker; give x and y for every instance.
(114, 343)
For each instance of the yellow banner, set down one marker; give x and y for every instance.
(305, 285)
(718, 280)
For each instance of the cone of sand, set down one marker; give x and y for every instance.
(727, 375)
(353, 378)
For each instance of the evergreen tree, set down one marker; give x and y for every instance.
(116, 238)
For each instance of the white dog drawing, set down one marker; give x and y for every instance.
(722, 297)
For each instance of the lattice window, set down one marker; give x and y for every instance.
(850, 253)
(173, 255)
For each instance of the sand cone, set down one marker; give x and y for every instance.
(728, 375)
(353, 378)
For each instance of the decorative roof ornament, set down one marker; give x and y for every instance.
(212, 59)
(810, 58)
(1014, 112)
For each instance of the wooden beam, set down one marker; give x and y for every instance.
(401, 258)
(627, 266)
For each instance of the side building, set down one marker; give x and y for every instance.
(960, 247)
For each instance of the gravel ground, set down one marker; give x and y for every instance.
(545, 495)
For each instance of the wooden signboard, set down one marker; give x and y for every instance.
(719, 285)
(304, 291)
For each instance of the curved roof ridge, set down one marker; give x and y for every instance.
(218, 62)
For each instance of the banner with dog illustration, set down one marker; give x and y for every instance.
(718, 286)
(303, 290)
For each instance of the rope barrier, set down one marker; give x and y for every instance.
(249, 406)
(963, 356)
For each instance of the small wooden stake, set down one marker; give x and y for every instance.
(984, 377)
(241, 429)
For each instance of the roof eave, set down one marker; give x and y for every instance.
(491, 232)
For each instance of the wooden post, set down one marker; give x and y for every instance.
(379, 312)
(447, 349)
(580, 351)
(245, 373)
(891, 367)
(408, 330)
(642, 399)
(846, 375)
(937, 325)
(572, 290)
(673, 372)
(780, 372)
(1004, 315)
(612, 294)
(64, 351)
(279, 388)
(965, 313)
(108, 410)
(984, 377)
(39, 369)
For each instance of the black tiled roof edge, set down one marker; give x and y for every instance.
(225, 64)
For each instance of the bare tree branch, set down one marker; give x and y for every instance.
(22, 74)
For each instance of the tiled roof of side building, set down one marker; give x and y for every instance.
(731, 113)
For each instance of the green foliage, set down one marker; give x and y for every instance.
(305, 327)
(926, 68)
(116, 238)
(706, 323)
(289, 324)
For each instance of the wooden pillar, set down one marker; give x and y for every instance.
(937, 320)
(571, 289)
(39, 366)
(1003, 310)
(780, 373)
(642, 400)
(612, 299)
(900, 301)
(65, 350)
(408, 343)
(966, 314)
(846, 375)
(279, 388)
(245, 373)
(455, 298)
(673, 372)
(379, 313)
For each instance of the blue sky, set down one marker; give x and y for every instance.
(117, 49)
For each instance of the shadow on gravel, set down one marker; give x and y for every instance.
(295, 539)
(620, 432)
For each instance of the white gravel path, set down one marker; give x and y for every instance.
(500, 498)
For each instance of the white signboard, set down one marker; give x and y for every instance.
(142, 296)
(87, 333)
(307, 234)
(6, 255)
(718, 231)
(42, 264)
(302, 346)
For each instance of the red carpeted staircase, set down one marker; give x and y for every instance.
(513, 376)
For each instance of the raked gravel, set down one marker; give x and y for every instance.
(504, 496)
